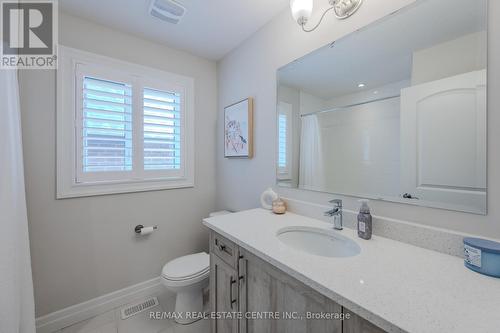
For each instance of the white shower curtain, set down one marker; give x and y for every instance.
(17, 313)
(311, 175)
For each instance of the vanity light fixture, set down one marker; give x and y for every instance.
(302, 10)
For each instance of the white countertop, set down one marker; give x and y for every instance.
(397, 286)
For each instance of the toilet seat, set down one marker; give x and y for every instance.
(187, 268)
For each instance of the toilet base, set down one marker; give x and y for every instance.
(189, 306)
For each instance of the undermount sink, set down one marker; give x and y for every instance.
(321, 242)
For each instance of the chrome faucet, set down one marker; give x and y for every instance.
(336, 213)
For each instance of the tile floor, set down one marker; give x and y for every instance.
(111, 322)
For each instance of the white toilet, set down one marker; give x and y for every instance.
(187, 276)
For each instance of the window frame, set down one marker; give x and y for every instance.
(73, 63)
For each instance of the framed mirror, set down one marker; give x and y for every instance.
(396, 111)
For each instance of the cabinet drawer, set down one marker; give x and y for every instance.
(224, 249)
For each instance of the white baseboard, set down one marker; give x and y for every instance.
(86, 310)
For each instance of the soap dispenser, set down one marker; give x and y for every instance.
(364, 220)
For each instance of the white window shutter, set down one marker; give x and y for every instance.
(106, 143)
(282, 141)
(162, 130)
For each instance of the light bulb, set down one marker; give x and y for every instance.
(301, 10)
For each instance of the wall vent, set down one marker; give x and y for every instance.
(167, 10)
(136, 308)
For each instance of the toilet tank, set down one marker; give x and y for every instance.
(222, 212)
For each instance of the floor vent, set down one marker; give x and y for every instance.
(134, 309)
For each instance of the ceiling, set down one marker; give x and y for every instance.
(209, 29)
(382, 53)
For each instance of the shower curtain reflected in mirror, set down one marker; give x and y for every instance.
(311, 174)
(16, 287)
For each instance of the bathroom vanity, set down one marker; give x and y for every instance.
(388, 286)
(242, 282)
(394, 112)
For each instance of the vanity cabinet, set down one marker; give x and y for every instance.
(268, 299)
(266, 290)
(223, 294)
(356, 324)
(224, 283)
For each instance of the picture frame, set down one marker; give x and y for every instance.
(238, 129)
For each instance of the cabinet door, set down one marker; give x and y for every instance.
(265, 289)
(356, 324)
(223, 294)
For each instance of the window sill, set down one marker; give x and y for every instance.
(88, 190)
(283, 176)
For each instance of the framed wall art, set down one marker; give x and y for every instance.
(238, 129)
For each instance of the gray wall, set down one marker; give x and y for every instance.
(250, 70)
(439, 62)
(84, 248)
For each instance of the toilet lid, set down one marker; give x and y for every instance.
(187, 266)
